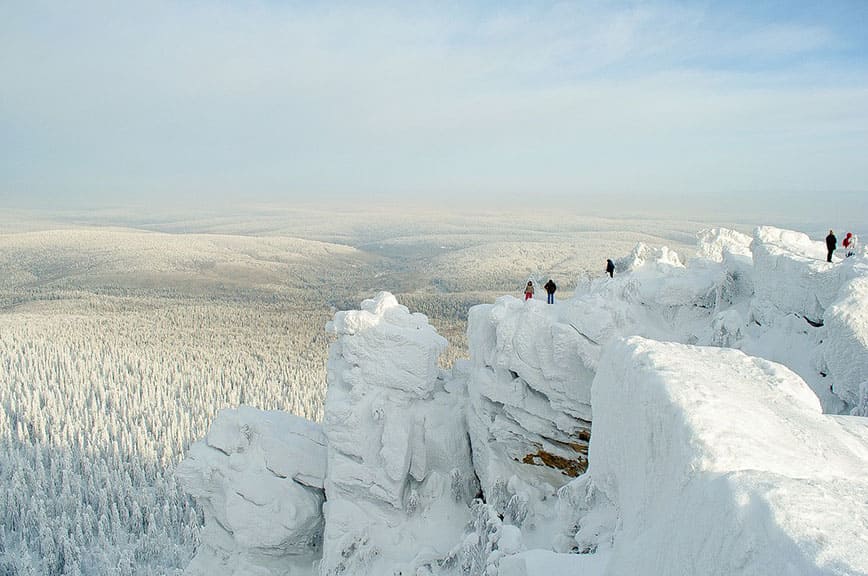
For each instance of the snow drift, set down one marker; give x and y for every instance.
(709, 385)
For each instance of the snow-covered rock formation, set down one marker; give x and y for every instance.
(811, 285)
(399, 475)
(529, 413)
(846, 342)
(259, 477)
(709, 384)
(709, 461)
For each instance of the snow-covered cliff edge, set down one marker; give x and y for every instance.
(708, 461)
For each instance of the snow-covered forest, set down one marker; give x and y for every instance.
(118, 345)
(99, 405)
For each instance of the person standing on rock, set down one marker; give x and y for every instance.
(849, 244)
(610, 268)
(831, 244)
(528, 290)
(550, 291)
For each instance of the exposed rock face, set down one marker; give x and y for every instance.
(398, 452)
(259, 477)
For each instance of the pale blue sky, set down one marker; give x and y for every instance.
(105, 102)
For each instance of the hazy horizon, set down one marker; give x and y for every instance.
(813, 213)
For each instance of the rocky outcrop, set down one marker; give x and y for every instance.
(791, 276)
(529, 411)
(846, 344)
(259, 478)
(398, 453)
(729, 446)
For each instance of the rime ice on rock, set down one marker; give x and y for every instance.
(529, 411)
(791, 276)
(705, 445)
(830, 301)
(259, 477)
(530, 380)
(846, 344)
(662, 259)
(532, 365)
(399, 474)
(718, 244)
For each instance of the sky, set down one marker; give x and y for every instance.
(203, 103)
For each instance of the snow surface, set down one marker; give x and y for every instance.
(712, 384)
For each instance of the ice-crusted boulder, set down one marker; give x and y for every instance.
(779, 300)
(708, 301)
(399, 474)
(258, 476)
(728, 255)
(709, 461)
(656, 284)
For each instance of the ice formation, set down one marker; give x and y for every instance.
(711, 383)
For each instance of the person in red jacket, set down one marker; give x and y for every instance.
(528, 290)
(850, 243)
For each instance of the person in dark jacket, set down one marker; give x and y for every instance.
(550, 290)
(610, 268)
(831, 244)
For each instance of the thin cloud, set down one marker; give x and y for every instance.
(272, 101)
